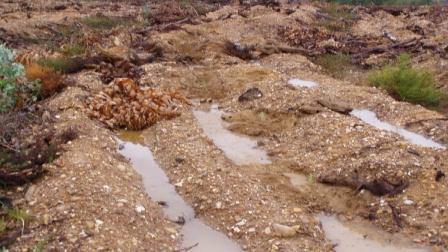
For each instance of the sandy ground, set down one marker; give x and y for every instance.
(89, 199)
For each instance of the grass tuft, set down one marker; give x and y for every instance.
(71, 50)
(336, 65)
(101, 22)
(62, 64)
(341, 18)
(405, 83)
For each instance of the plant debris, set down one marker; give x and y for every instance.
(123, 104)
(378, 187)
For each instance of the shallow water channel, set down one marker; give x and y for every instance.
(241, 150)
(354, 236)
(365, 239)
(298, 83)
(370, 117)
(196, 235)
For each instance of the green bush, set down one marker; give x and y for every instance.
(406, 83)
(9, 72)
(13, 85)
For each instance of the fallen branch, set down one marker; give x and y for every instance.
(164, 27)
(395, 215)
(20, 177)
(378, 187)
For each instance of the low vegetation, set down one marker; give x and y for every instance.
(71, 50)
(51, 81)
(62, 64)
(101, 22)
(15, 90)
(406, 83)
(336, 65)
(339, 19)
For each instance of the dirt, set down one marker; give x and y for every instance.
(92, 199)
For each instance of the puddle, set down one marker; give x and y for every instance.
(239, 149)
(298, 83)
(158, 187)
(370, 117)
(348, 239)
(297, 180)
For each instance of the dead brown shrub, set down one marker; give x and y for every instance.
(123, 104)
(51, 81)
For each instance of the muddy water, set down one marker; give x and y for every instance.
(355, 236)
(298, 83)
(370, 117)
(194, 231)
(239, 149)
(348, 239)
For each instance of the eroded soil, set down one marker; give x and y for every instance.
(92, 199)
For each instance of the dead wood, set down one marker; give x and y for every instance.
(8, 178)
(164, 27)
(395, 215)
(378, 187)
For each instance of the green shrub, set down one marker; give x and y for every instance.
(406, 83)
(9, 72)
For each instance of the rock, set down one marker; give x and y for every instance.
(336, 106)
(408, 202)
(297, 210)
(310, 109)
(267, 231)
(121, 167)
(139, 208)
(46, 219)
(29, 195)
(283, 230)
(218, 205)
(250, 94)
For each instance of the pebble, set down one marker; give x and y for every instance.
(139, 208)
(121, 167)
(408, 202)
(267, 231)
(283, 230)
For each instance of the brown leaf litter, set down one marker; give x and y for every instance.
(123, 104)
